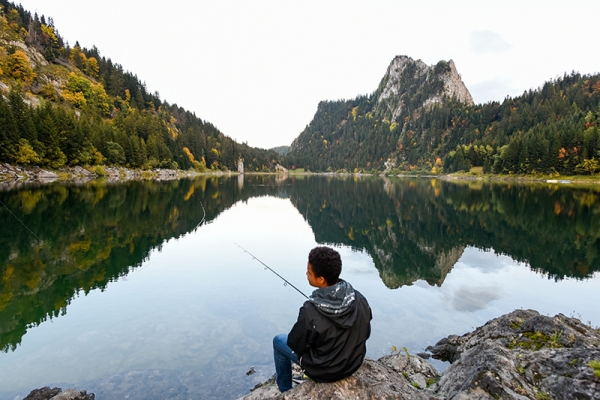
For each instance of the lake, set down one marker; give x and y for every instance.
(140, 289)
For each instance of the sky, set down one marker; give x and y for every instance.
(258, 69)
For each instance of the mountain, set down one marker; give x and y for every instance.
(409, 85)
(283, 150)
(363, 132)
(423, 118)
(62, 105)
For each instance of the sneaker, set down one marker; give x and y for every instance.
(300, 378)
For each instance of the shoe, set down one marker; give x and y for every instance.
(299, 379)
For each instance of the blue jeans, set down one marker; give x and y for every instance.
(284, 356)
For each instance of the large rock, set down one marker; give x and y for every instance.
(392, 377)
(521, 355)
(46, 393)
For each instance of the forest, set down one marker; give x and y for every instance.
(66, 106)
(553, 129)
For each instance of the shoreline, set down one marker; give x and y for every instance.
(12, 175)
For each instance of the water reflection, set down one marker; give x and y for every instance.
(89, 235)
(401, 232)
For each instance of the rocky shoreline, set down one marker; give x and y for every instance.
(520, 355)
(19, 173)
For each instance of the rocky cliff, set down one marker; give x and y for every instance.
(521, 355)
(409, 85)
(363, 132)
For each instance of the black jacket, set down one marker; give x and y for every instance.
(331, 344)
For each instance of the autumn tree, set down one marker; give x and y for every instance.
(19, 67)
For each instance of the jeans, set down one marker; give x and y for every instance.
(284, 356)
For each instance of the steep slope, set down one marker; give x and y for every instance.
(363, 132)
(409, 85)
(70, 106)
(423, 118)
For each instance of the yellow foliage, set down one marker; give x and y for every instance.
(351, 234)
(189, 154)
(80, 90)
(49, 34)
(354, 112)
(92, 67)
(174, 214)
(29, 200)
(8, 272)
(19, 67)
(189, 193)
(26, 154)
(76, 99)
(83, 245)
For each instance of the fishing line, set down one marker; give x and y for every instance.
(270, 269)
(57, 255)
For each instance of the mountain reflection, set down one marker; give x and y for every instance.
(84, 236)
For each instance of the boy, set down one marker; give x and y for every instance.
(329, 338)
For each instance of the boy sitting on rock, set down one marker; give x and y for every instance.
(329, 338)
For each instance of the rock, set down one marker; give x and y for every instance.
(373, 380)
(43, 393)
(46, 393)
(405, 75)
(520, 355)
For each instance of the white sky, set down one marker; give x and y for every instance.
(257, 69)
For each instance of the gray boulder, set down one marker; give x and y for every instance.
(392, 377)
(46, 393)
(520, 355)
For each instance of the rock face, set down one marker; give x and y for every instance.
(521, 355)
(389, 378)
(413, 84)
(46, 393)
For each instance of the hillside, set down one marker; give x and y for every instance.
(363, 132)
(63, 105)
(423, 118)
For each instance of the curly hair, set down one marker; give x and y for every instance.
(326, 262)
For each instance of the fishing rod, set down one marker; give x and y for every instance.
(270, 269)
(57, 255)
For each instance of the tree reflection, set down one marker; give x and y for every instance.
(81, 237)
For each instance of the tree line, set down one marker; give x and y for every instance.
(552, 129)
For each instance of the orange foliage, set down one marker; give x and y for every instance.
(562, 153)
(189, 154)
(557, 208)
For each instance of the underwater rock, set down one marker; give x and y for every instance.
(46, 393)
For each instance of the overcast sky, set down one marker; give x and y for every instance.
(257, 69)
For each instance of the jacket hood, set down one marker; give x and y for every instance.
(336, 302)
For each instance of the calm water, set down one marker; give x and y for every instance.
(116, 291)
